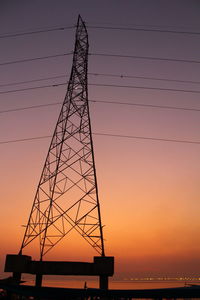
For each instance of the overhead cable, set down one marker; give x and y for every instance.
(134, 27)
(104, 55)
(29, 107)
(33, 80)
(34, 58)
(121, 76)
(33, 88)
(104, 102)
(102, 85)
(17, 34)
(110, 135)
(145, 30)
(144, 88)
(61, 28)
(147, 58)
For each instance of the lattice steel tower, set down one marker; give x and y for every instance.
(67, 195)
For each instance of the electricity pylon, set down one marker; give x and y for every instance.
(67, 195)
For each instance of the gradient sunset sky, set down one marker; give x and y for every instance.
(149, 190)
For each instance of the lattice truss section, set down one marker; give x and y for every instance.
(66, 197)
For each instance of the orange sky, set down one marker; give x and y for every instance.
(149, 190)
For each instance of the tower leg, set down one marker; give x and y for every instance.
(103, 282)
(38, 280)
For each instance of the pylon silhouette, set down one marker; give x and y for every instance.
(67, 195)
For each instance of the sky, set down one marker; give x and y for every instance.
(148, 189)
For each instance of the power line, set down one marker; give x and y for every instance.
(29, 107)
(25, 139)
(104, 55)
(9, 35)
(145, 88)
(121, 76)
(147, 25)
(103, 85)
(145, 30)
(144, 77)
(34, 58)
(104, 102)
(34, 88)
(33, 80)
(146, 105)
(146, 58)
(61, 28)
(148, 138)
(110, 135)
